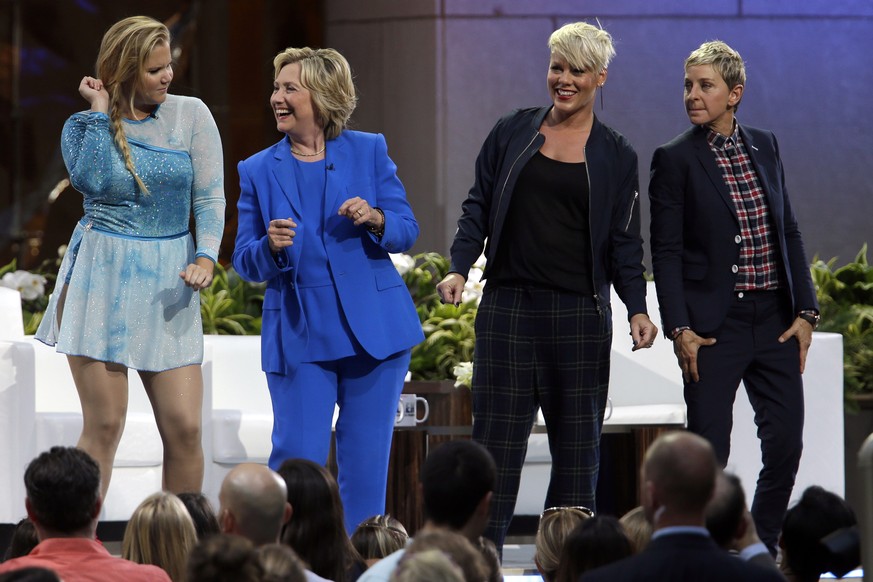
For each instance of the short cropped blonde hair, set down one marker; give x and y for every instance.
(585, 46)
(723, 59)
(328, 77)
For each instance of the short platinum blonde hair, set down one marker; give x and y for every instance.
(723, 59)
(328, 77)
(585, 46)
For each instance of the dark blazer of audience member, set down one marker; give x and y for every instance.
(63, 501)
(817, 514)
(677, 480)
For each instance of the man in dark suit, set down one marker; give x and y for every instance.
(678, 479)
(732, 277)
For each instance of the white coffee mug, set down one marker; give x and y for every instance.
(407, 410)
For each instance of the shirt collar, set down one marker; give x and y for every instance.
(718, 141)
(681, 529)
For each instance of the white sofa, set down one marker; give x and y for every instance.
(39, 408)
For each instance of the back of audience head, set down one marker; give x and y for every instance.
(23, 540)
(254, 503)
(457, 547)
(817, 514)
(160, 532)
(379, 536)
(316, 530)
(724, 514)
(678, 478)
(63, 492)
(202, 513)
(595, 542)
(224, 558)
(281, 564)
(555, 525)
(637, 528)
(430, 565)
(457, 480)
(30, 574)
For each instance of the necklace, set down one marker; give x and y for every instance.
(296, 153)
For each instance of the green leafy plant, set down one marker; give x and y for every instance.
(845, 296)
(231, 306)
(35, 287)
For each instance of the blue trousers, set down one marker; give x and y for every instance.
(367, 391)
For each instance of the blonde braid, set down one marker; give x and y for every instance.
(120, 137)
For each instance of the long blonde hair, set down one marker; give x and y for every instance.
(123, 53)
(160, 532)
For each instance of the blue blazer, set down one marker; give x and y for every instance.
(374, 298)
(696, 233)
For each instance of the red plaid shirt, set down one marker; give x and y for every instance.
(759, 259)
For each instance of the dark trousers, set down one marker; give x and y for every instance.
(540, 347)
(748, 349)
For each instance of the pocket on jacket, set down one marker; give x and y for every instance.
(388, 278)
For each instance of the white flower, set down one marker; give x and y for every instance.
(463, 373)
(62, 250)
(29, 285)
(402, 262)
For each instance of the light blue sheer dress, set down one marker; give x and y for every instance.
(125, 301)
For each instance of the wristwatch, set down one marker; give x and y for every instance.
(810, 316)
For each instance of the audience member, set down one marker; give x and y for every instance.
(23, 540)
(317, 529)
(63, 501)
(593, 543)
(30, 575)
(160, 532)
(637, 528)
(457, 483)
(555, 525)
(731, 524)
(677, 480)
(430, 565)
(281, 564)
(224, 558)
(202, 513)
(253, 503)
(817, 514)
(453, 545)
(378, 536)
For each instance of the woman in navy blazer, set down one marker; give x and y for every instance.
(318, 214)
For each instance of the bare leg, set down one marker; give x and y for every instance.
(177, 399)
(102, 388)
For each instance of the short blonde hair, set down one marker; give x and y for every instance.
(160, 532)
(555, 525)
(125, 48)
(723, 59)
(328, 77)
(585, 46)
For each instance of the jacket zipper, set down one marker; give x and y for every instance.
(630, 215)
(590, 240)
(512, 167)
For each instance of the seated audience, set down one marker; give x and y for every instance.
(23, 540)
(224, 558)
(593, 543)
(429, 565)
(30, 575)
(202, 513)
(253, 503)
(730, 522)
(281, 564)
(637, 528)
(378, 536)
(316, 531)
(677, 481)
(817, 514)
(160, 532)
(555, 525)
(457, 481)
(63, 501)
(460, 551)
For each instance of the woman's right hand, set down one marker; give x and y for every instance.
(451, 288)
(281, 234)
(95, 93)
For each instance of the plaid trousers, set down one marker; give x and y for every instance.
(538, 347)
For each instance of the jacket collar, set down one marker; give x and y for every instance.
(335, 156)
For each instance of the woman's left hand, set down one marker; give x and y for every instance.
(360, 212)
(198, 275)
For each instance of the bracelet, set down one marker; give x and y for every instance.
(677, 331)
(379, 231)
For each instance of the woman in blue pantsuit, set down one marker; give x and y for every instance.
(318, 214)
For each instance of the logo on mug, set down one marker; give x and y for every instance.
(407, 410)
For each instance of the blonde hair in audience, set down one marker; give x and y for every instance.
(555, 525)
(160, 532)
(430, 565)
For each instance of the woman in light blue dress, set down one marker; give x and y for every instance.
(127, 288)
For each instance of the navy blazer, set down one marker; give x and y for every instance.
(374, 298)
(696, 233)
(682, 557)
